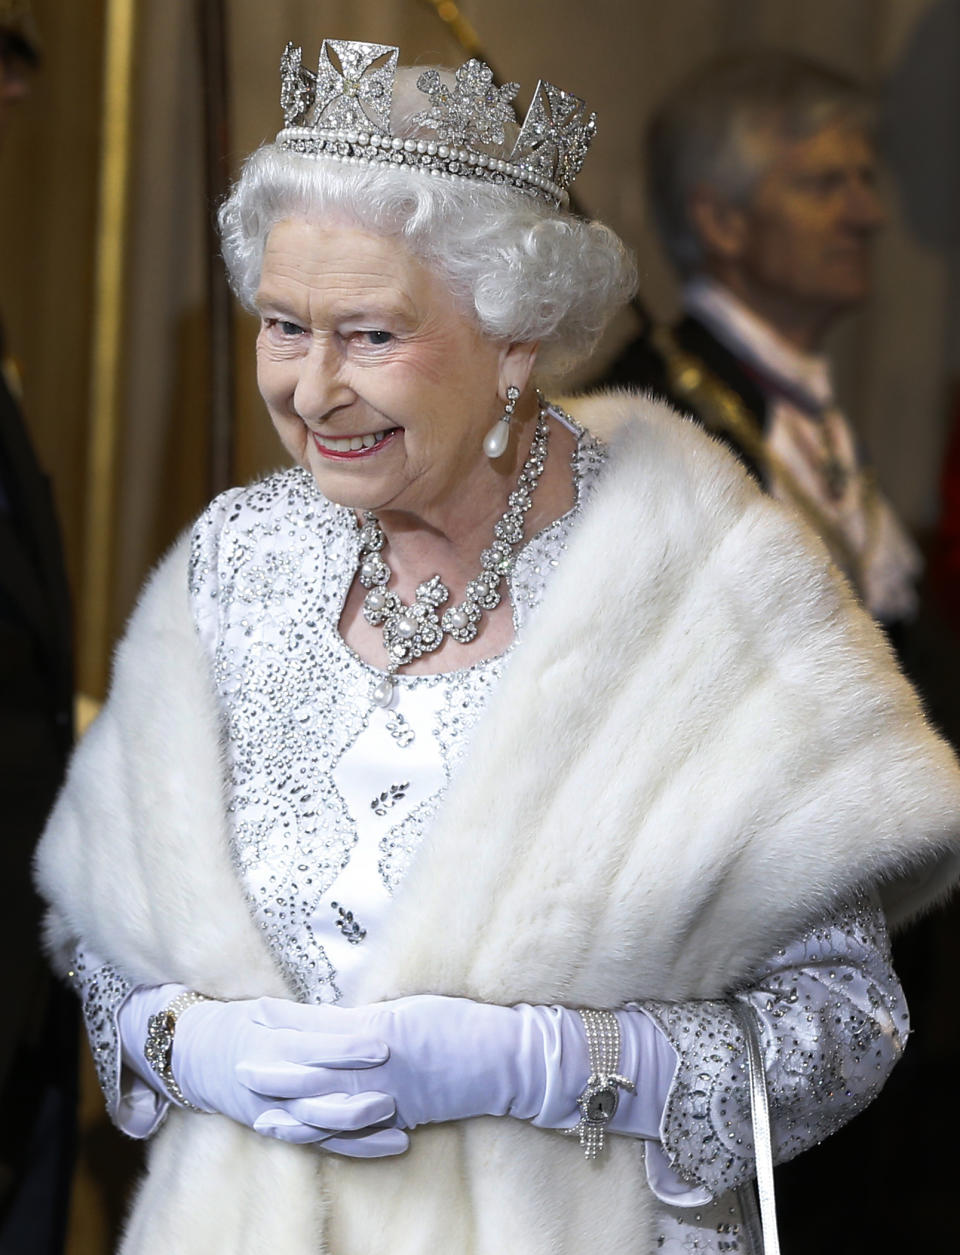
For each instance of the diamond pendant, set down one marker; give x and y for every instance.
(382, 694)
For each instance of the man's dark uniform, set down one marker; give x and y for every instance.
(37, 1045)
(689, 367)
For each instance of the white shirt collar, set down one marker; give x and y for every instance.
(755, 341)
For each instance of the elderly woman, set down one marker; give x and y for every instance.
(473, 782)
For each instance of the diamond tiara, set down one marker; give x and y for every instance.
(342, 111)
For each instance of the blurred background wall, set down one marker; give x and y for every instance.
(150, 377)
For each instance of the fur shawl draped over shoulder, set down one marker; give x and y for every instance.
(699, 746)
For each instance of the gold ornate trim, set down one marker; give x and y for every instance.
(724, 413)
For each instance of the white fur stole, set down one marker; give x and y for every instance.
(701, 743)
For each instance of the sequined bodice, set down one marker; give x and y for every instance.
(330, 794)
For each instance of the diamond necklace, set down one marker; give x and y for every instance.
(409, 631)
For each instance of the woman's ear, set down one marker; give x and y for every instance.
(516, 366)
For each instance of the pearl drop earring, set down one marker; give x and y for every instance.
(495, 441)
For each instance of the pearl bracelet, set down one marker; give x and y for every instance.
(600, 1098)
(158, 1048)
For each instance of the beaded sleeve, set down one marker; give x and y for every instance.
(133, 1106)
(101, 990)
(833, 1023)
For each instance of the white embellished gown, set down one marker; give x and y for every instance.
(330, 795)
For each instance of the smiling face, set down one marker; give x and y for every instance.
(376, 380)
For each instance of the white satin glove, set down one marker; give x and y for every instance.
(451, 1058)
(215, 1043)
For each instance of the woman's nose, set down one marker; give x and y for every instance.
(320, 387)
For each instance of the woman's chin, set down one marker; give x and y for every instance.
(346, 487)
(356, 480)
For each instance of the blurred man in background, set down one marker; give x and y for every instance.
(37, 1041)
(761, 171)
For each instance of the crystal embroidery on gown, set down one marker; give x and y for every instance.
(271, 568)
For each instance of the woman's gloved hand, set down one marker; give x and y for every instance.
(452, 1058)
(448, 1058)
(216, 1044)
(291, 1069)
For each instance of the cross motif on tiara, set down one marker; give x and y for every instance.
(474, 111)
(354, 85)
(343, 113)
(298, 84)
(554, 137)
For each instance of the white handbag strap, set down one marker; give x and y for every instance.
(760, 1117)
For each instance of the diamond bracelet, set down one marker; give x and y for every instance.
(600, 1098)
(158, 1047)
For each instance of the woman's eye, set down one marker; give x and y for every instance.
(377, 338)
(283, 326)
